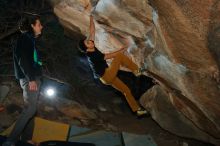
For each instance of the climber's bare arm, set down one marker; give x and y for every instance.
(91, 29)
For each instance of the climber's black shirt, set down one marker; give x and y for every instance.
(97, 62)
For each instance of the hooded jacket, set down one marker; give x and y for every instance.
(27, 62)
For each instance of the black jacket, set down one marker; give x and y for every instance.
(24, 64)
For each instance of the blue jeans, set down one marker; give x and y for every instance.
(28, 113)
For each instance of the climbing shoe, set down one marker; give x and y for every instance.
(142, 113)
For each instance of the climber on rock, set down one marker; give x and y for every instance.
(108, 74)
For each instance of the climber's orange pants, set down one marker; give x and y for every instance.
(110, 78)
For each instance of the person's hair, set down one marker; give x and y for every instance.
(24, 24)
(81, 46)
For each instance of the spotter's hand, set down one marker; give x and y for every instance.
(33, 86)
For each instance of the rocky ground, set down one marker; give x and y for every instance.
(109, 112)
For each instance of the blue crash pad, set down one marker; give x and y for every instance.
(99, 138)
(137, 140)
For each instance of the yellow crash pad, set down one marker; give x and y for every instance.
(45, 130)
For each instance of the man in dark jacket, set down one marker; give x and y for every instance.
(27, 67)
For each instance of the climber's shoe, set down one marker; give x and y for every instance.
(142, 113)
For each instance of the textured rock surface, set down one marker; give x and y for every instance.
(186, 27)
(160, 104)
(178, 41)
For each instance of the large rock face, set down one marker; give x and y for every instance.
(163, 111)
(177, 40)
